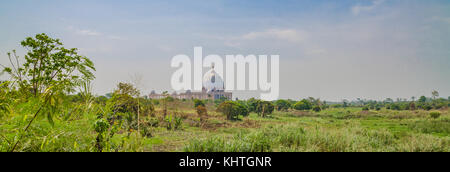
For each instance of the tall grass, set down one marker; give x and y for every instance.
(295, 138)
(441, 126)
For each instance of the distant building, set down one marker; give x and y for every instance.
(213, 89)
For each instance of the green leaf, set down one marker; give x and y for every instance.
(50, 119)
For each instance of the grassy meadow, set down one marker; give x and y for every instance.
(331, 130)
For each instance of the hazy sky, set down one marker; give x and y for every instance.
(333, 50)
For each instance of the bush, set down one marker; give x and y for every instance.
(303, 105)
(395, 107)
(101, 126)
(198, 102)
(282, 105)
(412, 106)
(173, 122)
(202, 112)
(435, 115)
(427, 107)
(232, 110)
(178, 123)
(5, 98)
(264, 108)
(317, 109)
(365, 109)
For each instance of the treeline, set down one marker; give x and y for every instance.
(423, 103)
(234, 110)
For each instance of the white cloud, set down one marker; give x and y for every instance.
(88, 32)
(84, 32)
(238, 41)
(357, 9)
(280, 34)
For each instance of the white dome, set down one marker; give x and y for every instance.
(213, 81)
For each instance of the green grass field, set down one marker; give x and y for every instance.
(331, 130)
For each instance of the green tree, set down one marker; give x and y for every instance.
(389, 100)
(48, 65)
(435, 94)
(232, 110)
(47, 73)
(345, 103)
(252, 104)
(303, 105)
(395, 106)
(422, 99)
(123, 106)
(282, 105)
(264, 108)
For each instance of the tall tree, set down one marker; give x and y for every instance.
(435, 94)
(46, 71)
(48, 65)
(422, 99)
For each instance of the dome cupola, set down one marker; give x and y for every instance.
(212, 81)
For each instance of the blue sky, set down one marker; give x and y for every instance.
(329, 49)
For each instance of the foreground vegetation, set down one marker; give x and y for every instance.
(47, 106)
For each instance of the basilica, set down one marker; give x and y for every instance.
(213, 89)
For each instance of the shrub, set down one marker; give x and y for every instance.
(147, 125)
(232, 110)
(427, 107)
(303, 105)
(178, 123)
(435, 115)
(264, 108)
(365, 109)
(252, 104)
(5, 98)
(198, 102)
(282, 105)
(395, 107)
(146, 131)
(317, 109)
(412, 106)
(153, 122)
(173, 122)
(101, 126)
(170, 99)
(202, 112)
(147, 108)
